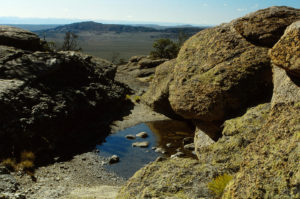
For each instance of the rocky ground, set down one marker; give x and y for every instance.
(84, 176)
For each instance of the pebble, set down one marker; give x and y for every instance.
(130, 137)
(153, 148)
(188, 140)
(114, 159)
(190, 147)
(177, 155)
(141, 144)
(160, 150)
(142, 135)
(168, 145)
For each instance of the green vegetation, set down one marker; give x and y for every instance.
(133, 98)
(217, 185)
(164, 48)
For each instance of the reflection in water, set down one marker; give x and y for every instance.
(160, 134)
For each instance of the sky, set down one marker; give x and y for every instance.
(197, 12)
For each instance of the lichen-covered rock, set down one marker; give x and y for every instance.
(172, 178)
(270, 167)
(158, 93)
(286, 52)
(266, 26)
(49, 99)
(19, 38)
(218, 72)
(186, 178)
(286, 87)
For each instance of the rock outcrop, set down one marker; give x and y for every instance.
(266, 26)
(218, 80)
(158, 92)
(138, 72)
(51, 99)
(210, 86)
(19, 38)
(286, 52)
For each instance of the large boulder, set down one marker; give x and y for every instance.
(211, 85)
(19, 38)
(215, 67)
(286, 52)
(49, 100)
(158, 92)
(266, 26)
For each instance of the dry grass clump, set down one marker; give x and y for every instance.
(217, 185)
(26, 163)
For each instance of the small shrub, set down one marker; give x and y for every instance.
(217, 185)
(26, 165)
(27, 155)
(10, 164)
(127, 97)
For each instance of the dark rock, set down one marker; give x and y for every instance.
(114, 159)
(49, 99)
(3, 170)
(190, 147)
(187, 140)
(23, 39)
(130, 137)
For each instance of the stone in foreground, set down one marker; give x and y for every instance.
(140, 144)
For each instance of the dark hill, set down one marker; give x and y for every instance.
(99, 27)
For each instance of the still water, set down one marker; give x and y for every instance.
(167, 135)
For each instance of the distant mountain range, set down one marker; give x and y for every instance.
(91, 26)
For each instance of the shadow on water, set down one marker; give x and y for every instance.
(160, 134)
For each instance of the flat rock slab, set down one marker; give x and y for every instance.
(141, 144)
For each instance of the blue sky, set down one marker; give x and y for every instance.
(209, 12)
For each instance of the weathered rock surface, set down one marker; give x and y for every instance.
(157, 96)
(270, 168)
(48, 99)
(138, 72)
(266, 26)
(19, 38)
(213, 70)
(286, 52)
(286, 88)
(172, 178)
